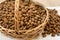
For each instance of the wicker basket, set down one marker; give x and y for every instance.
(25, 33)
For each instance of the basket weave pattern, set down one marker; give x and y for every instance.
(22, 33)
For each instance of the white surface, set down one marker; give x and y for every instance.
(47, 3)
(3, 37)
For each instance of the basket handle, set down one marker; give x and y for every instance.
(16, 15)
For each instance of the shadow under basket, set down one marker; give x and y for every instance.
(26, 33)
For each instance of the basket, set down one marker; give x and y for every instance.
(25, 33)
